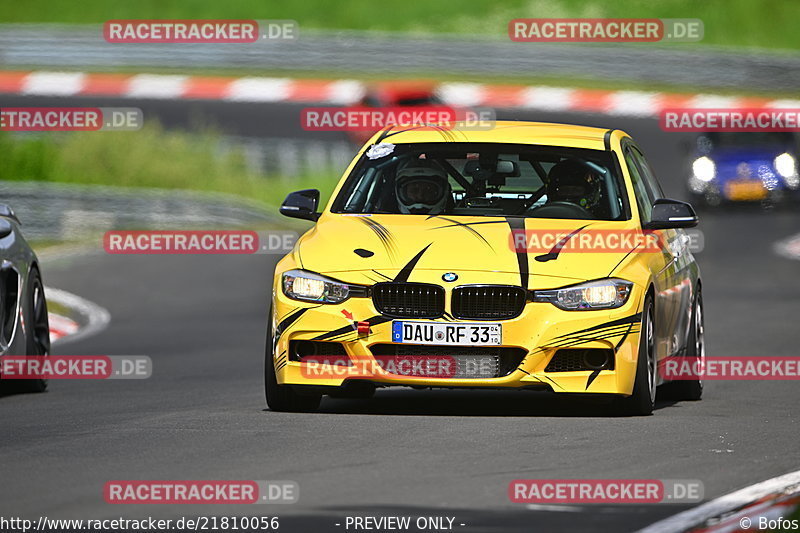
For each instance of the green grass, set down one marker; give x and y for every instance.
(752, 23)
(151, 158)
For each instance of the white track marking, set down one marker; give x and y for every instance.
(95, 318)
(345, 92)
(548, 98)
(54, 83)
(259, 90)
(462, 94)
(725, 504)
(156, 86)
(553, 508)
(634, 103)
(61, 326)
(789, 247)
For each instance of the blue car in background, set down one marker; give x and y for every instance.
(744, 167)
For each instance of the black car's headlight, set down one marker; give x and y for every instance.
(311, 287)
(601, 294)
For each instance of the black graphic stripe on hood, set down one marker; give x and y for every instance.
(592, 377)
(622, 260)
(405, 272)
(596, 373)
(387, 278)
(630, 328)
(466, 226)
(594, 331)
(553, 253)
(517, 224)
(350, 328)
(596, 335)
(290, 319)
(625, 320)
(477, 223)
(383, 234)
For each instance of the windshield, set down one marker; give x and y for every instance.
(488, 179)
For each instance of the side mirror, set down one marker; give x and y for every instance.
(301, 204)
(671, 214)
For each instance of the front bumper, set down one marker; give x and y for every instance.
(537, 334)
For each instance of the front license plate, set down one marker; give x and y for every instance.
(745, 190)
(455, 334)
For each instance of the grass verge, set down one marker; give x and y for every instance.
(151, 157)
(738, 23)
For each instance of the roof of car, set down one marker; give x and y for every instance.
(506, 131)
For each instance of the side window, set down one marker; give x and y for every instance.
(643, 197)
(647, 174)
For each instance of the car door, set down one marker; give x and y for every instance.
(661, 263)
(676, 299)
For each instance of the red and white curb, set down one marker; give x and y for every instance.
(92, 317)
(61, 326)
(789, 247)
(347, 92)
(739, 510)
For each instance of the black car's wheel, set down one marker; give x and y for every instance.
(692, 389)
(37, 326)
(283, 397)
(643, 398)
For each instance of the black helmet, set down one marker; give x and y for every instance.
(572, 180)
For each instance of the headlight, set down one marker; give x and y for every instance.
(785, 165)
(704, 169)
(311, 287)
(600, 294)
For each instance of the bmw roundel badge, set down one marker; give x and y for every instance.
(450, 276)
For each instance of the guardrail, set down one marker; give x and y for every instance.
(61, 212)
(389, 54)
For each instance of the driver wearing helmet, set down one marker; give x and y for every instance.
(422, 188)
(574, 181)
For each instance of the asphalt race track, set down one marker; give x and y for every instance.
(433, 453)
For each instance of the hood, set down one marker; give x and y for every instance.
(398, 245)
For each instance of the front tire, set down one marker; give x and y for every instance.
(283, 397)
(37, 327)
(643, 398)
(692, 389)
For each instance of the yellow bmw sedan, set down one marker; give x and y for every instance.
(525, 256)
